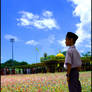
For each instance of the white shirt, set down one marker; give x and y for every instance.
(72, 57)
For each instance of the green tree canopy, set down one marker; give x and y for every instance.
(45, 54)
(64, 53)
(13, 63)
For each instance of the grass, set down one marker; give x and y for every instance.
(49, 82)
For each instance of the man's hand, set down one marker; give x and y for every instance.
(78, 68)
(68, 68)
(68, 79)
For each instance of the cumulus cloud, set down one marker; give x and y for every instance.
(46, 41)
(88, 46)
(32, 42)
(62, 43)
(82, 9)
(47, 14)
(46, 21)
(8, 37)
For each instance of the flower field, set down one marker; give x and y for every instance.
(49, 82)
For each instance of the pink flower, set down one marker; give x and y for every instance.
(39, 90)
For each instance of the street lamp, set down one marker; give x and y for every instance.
(12, 41)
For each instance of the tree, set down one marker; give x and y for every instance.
(41, 59)
(86, 54)
(23, 63)
(10, 63)
(64, 53)
(13, 63)
(45, 54)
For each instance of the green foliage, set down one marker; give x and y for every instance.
(51, 58)
(86, 54)
(86, 59)
(10, 63)
(64, 53)
(23, 63)
(41, 59)
(13, 63)
(45, 54)
(60, 57)
(2, 65)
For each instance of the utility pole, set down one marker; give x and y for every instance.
(12, 40)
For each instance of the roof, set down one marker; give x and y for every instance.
(60, 54)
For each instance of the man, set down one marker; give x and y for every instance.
(72, 63)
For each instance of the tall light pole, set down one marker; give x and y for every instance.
(12, 40)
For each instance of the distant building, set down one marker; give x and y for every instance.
(60, 54)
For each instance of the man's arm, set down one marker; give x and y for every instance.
(68, 71)
(68, 68)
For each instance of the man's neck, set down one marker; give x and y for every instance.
(71, 46)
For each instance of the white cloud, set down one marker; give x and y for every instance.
(47, 14)
(28, 15)
(46, 21)
(83, 10)
(8, 37)
(44, 42)
(62, 43)
(88, 46)
(32, 42)
(24, 22)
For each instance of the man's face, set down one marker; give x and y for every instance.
(68, 41)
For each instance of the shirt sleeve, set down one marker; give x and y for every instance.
(68, 58)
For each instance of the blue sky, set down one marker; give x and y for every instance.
(43, 24)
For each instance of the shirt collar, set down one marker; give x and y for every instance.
(72, 46)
